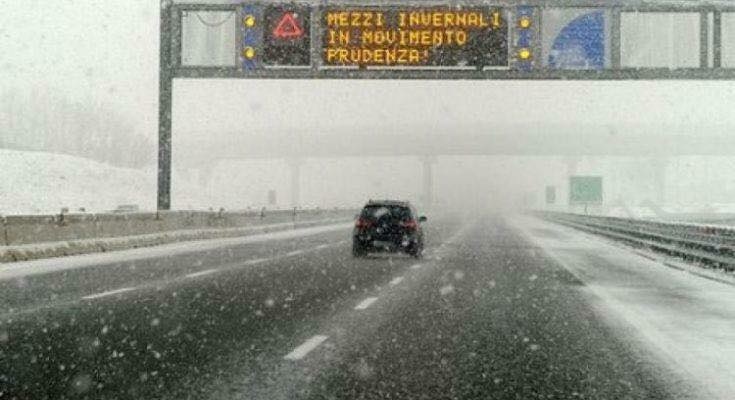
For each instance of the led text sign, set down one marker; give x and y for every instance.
(414, 37)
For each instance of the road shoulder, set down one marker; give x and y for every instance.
(649, 301)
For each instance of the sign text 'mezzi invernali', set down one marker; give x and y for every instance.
(399, 37)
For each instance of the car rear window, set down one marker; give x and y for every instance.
(378, 211)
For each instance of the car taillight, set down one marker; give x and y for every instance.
(363, 223)
(411, 224)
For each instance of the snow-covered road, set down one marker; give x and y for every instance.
(685, 321)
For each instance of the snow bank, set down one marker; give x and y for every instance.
(43, 183)
(88, 246)
(45, 266)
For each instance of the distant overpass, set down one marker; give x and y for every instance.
(202, 151)
(196, 149)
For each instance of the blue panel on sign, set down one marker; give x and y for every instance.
(524, 38)
(524, 66)
(524, 11)
(250, 38)
(249, 65)
(581, 44)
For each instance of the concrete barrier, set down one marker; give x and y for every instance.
(20, 230)
(34, 237)
(86, 246)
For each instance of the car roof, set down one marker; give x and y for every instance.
(388, 203)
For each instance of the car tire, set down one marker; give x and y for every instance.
(417, 251)
(358, 251)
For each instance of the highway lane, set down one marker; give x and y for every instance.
(485, 315)
(489, 317)
(71, 278)
(175, 324)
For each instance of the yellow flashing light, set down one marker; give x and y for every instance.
(524, 22)
(249, 21)
(524, 54)
(248, 53)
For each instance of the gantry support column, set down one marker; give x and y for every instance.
(165, 106)
(427, 163)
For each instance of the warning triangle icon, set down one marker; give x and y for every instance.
(288, 27)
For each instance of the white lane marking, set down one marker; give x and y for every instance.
(294, 253)
(321, 246)
(366, 303)
(109, 293)
(201, 273)
(445, 290)
(396, 281)
(416, 266)
(256, 261)
(306, 347)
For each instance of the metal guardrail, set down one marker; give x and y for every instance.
(710, 245)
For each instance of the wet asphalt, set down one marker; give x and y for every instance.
(484, 315)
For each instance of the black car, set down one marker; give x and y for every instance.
(388, 225)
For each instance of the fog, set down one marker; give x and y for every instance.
(88, 88)
(245, 113)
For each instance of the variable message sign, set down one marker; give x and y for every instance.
(415, 37)
(279, 35)
(460, 39)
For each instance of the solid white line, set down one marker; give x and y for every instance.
(416, 266)
(110, 293)
(201, 273)
(306, 347)
(396, 281)
(366, 303)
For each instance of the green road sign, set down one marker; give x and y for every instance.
(585, 190)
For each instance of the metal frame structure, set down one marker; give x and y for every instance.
(171, 56)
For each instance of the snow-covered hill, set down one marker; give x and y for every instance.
(40, 183)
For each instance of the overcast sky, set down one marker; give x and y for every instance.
(107, 52)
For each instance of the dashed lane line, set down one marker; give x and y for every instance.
(201, 273)
(366, 303)
(108, 293)
(396, 281)
(192, 275)
(306, 347)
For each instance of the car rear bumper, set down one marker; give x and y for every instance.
(387, 243)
